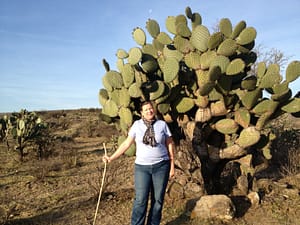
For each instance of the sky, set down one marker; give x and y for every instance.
(51, 51)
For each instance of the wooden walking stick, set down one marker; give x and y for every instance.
(102, 183)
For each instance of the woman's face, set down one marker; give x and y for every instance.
(148, 112)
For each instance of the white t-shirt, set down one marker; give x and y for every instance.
(146, 154)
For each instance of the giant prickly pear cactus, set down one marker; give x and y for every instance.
(204, 78)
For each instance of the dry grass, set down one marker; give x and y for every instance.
(63, 188)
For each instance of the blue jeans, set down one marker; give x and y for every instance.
(149, 179)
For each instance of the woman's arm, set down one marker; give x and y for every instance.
(122, 148)
(171, 147)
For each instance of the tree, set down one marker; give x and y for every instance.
(270, 56)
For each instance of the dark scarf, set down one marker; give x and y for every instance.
(149, 136)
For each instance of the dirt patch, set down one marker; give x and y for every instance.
(63, 188)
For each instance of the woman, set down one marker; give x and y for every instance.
(154, 164)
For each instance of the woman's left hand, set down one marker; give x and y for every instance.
(172, 172)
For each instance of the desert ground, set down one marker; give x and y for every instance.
(62, 187)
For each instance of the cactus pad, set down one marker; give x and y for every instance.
(156, 89)
(238, 29)
(132, 149)
(183, 45)
(127, 75)
(266, 105)
(153, 28)
(126, 116)
(149, 49)
(103, 96)
(163, 108)
(135, 91)
(164, 38)
(214, 73)
(227, 48)
(246, 36)
(121, 97)
(203, 115)
(202, 101)
(183, 30)
(251, 97)
(199, 38)
(170, 51)
(271, 77)
(171, 24)
(149, 63)
(293, 71)
(206, 88)
(218, 108)
(188, 12)
(184, 105)
(248, 137)
(249, 83)
(235, 67)
(215, 40)
(225, 27)
(242, 117)
(135, 55)
(110, 108)
(139, 36)
(170, 69)
(261, 69)
(227, 126)
(196, 20)
(192, 60)
(206, 58)
(221, 61)
(232, 152)
(157, 45)
(122, 54)
(292, 106)
(114, 79)
(283, 96)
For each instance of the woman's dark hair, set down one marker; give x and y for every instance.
(145, 103)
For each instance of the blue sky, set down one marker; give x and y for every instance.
(51, 50)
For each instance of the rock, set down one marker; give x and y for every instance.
(242, 184)
(263, 184)
(291, 193)
(175, 191)
(214, 207)
(246, 164)
(197, 176)
(181, 177)
(254, 198)
(3, 215)
(186, 159)
(193, 189)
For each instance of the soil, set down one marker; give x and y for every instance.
(62, 187)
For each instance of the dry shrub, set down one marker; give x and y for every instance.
(119, 175)
(285, 148)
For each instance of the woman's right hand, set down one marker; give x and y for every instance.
(106, 159)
